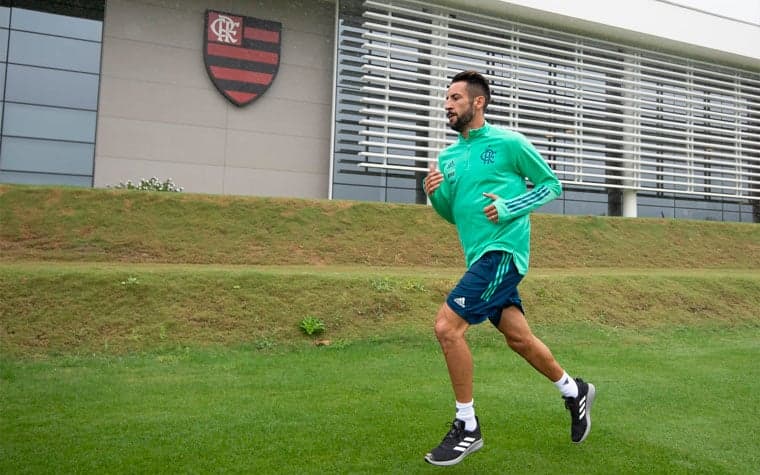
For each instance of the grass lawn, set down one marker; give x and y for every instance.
(159, 333)
(681, 400)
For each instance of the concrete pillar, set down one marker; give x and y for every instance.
(630, 122)
(440, 81)
(629, 204)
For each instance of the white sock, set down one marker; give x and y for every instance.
(466, 413)
(567, 386)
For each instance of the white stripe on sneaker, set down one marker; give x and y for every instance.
(464, 444)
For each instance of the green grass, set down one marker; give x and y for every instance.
(59, 309)
(159, 333)
(675, 401)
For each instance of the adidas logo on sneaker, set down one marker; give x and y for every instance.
(465, 444)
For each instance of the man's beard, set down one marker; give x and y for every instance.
(463, 120)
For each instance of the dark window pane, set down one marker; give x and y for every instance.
(645, 211)
(53, 24)
(30, 155)
(360, 193)
(44, 179)
(50, 123)
(552, 207)
(54, 52)
(75, 8)
(51, 87)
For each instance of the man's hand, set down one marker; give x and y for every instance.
(490, 211)
(433, 179)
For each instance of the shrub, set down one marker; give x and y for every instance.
(312, 325)
(152, 184)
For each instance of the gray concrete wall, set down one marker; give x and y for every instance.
(160, 115)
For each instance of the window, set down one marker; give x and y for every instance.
(50, 75)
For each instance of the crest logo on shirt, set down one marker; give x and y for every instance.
(488, 156)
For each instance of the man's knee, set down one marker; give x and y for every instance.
(515, 329)
(519, 342)
(449, 327)
(443, 328)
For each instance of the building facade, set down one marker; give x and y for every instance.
(644, 108)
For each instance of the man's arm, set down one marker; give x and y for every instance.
(546, 186)
(438, 191)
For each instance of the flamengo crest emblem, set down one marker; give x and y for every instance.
(242, 55)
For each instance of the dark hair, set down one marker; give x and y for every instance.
(476, 85)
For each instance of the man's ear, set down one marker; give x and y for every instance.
(480, 101)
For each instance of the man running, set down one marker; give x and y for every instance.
(479, 186)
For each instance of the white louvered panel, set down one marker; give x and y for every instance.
(708, 139)
(551, 63)
(603, 115)
(698, 165)
(647, 95)
(548, 62)
(592, 99)
(487, 33)
(571, 132)
(730, 182)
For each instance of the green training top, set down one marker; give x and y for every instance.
(493, 160)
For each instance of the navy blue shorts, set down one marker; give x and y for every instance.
(488, 287)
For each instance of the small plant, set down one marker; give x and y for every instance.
(382, 285)
(263, 344)
(312, 326)
(130, 281)
(152, 184)
(415, 286)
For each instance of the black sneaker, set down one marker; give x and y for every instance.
(580, 410)
(457, 445)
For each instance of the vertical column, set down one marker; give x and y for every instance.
(439, 82)
(690, 163)
(631, 139)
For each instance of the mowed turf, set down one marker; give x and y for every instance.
(158, 333)
(669, 401)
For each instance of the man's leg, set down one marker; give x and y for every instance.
(450, 329)
(461, 440)
(521, 339)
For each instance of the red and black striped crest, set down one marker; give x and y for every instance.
(242, 55)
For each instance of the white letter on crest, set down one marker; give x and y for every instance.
(225, 29)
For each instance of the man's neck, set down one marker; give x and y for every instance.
(475, 123)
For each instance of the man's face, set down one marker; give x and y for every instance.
(459, 106)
